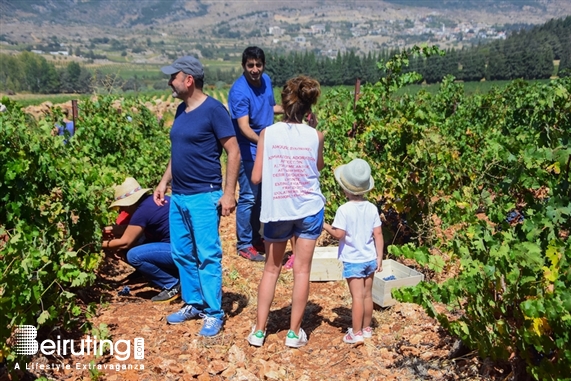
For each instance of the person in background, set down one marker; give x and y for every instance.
(252, 107)
(357, 226)
(67, 128)
(69, 125)
(201, 129)
(290, 156)
(142, 238)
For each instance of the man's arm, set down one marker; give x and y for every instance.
(159, 194)
(320, 161)
(278, 109)
(228, 199)
(258, 163)
(246, 130)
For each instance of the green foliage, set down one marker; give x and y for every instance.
(31, 72)
(55, 192)
(467, 162)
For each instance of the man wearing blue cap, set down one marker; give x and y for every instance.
(201, 129)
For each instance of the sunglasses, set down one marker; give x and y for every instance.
(251, 65)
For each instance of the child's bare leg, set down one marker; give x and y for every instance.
(368, 301)
(357, 289)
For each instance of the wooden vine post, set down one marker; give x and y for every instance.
(355, 99)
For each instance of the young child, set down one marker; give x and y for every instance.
(357, 226)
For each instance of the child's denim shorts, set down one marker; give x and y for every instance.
(308, 227)
(359, 270)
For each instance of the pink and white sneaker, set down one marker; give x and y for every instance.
(353, 338)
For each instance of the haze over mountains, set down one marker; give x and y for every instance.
(168, 27)
(128, 13)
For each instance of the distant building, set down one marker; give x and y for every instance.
(331, 53)
(318, 28)
(275, 31)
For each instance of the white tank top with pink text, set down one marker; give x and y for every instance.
(290, 178)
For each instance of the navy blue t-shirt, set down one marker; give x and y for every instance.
(153, 219)
(196, 148)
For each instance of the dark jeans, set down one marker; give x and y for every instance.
(248, 209)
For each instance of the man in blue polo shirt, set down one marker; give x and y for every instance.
(252, 107)
(201, 129)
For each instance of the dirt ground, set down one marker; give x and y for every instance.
(406, 343)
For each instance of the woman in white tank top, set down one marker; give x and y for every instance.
(290, 156)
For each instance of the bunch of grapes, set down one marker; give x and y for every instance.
(514, 217)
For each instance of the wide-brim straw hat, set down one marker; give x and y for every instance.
(128, 193)
(355, 177)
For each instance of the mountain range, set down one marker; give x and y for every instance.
(128, 13)
(171, 27)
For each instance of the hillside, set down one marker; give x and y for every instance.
(151, 30)
(125, 13)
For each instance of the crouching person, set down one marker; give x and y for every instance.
(144, 241)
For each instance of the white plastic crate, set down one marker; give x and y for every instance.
(325, 265)
(405, 276)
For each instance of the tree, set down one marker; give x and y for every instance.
(75, 79)
(434, 69)
(473, 65)
(11, 73)
(497, 68)
(49, 81)
(39, 76)
(539, 59)
(450, 63)
(369, 69)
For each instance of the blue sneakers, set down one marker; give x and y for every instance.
(187, 312)
(211, 326)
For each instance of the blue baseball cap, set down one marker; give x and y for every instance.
(187, 64)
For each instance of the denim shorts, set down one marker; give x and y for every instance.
(307, 227)
(359, 270)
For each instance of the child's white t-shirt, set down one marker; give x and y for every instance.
(357, 219)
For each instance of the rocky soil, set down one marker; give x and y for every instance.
(406, 344)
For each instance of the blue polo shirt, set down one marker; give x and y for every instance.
(256, 102)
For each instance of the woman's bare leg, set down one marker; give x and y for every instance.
(301, 270)
(266, 290)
